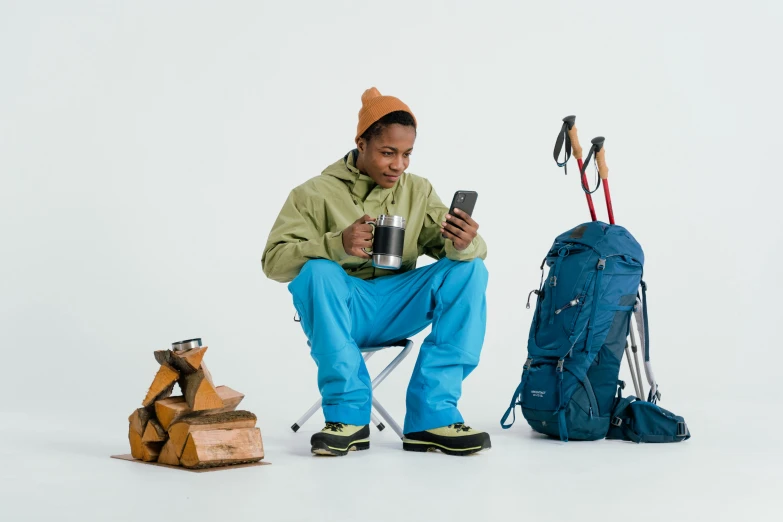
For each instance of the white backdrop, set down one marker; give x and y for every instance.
(147, 147)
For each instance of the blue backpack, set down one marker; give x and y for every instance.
(569, 387)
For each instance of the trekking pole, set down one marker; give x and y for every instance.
(568, 137)
(578, 155)
(635, 349)
(630, 367)
(596, 149)
(603, 172)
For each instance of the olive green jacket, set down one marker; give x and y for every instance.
(313, 217)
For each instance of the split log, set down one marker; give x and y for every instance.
(199, 393)
(185, 362)
(163, 357)
(151, 451)
(168, 455)
(179, 431)
(172, 409)
(138, 420)
(154, 432)
(162, 386)
(189, 361)
(136, 444)
(206, 449)
(207, 375)
(146, 451)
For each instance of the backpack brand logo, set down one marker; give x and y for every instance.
(538, 393)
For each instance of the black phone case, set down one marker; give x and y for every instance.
(467, 205)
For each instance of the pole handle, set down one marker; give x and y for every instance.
(600, 156)
(600, 160)
(576, 148)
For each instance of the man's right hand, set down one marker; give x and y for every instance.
(358, 236)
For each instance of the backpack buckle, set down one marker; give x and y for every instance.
(560, 364)
(617, 421)
(682, 429)
(527, 363)
(601, 264)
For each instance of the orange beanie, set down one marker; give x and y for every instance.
(375, 106)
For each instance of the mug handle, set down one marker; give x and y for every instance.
(373, 233)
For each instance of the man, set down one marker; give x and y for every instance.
(345, 303)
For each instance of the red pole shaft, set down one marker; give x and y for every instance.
(584, 184)
(608, 202)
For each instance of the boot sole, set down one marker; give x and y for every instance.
(423, 447)
(321, 448)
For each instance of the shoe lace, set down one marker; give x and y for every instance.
(334, 426)
(460, 426)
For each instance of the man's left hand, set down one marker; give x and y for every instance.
(461, 229)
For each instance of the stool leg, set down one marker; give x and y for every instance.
(377, 405)
(298, 424)
(392, 365)
(377, 422)
(388, 418)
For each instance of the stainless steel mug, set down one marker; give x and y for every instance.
(180, 346)
(388, 242)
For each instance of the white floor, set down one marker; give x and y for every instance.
(56, 467)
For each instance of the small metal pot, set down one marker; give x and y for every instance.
(181, 346)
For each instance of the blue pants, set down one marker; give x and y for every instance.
(340, 313)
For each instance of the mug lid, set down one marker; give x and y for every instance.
(390, 221)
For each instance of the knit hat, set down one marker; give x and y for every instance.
(375, 106)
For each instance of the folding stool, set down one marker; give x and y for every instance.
(406, 345)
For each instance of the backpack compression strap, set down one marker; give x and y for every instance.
(517, 398)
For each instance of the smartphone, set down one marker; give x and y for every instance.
(465, 200)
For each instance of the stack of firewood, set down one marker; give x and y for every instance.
(199, 429)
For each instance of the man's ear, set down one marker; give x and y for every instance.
(361, 144)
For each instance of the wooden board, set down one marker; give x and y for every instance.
(130, 458)
(221, 447)
(179, 431)
(162, 385)
(174, 408)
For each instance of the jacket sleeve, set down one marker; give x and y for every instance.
(434, 244)
(294, 240)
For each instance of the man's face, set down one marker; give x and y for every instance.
(385, 157)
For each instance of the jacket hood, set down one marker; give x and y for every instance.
(360, 185)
